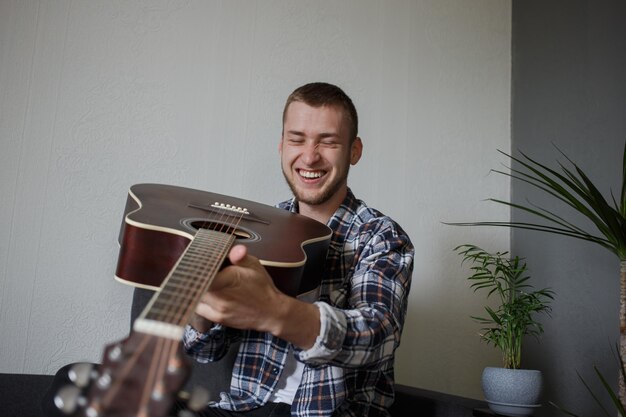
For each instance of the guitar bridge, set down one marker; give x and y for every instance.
(218, 208)
(229, 207)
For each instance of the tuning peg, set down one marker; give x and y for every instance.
(198, 399)
(104, 381)
(115, 353)
(81, 373)
(67, 399)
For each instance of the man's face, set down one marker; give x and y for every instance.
(316, 153)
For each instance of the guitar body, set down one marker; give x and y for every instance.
(161, 220)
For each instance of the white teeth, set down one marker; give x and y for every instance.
(311, 174)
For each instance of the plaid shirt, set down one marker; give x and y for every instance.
(363, 303)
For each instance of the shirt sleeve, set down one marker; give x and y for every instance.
(364, 327)
(332, 331)
(205, 347)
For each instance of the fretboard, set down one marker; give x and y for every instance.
(171, 307)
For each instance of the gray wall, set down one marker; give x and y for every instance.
(98, 95)
(569, 88)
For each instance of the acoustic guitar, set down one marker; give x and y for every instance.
(174, 240)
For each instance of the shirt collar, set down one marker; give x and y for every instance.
(348, 205)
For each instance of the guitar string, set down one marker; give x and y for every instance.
(154, 375)
(225, 224)
(158, 369)
(124, 372)
(169, 304)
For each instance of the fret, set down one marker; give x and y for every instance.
(187, 281)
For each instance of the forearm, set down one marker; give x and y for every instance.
(295, 321)
(199, 323)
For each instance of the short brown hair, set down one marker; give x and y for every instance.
(320, 94)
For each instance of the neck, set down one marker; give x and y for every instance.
(323, 212)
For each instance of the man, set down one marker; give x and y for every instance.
(333, 357)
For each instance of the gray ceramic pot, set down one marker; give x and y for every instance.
(512, 392)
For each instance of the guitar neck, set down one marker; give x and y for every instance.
(170, 308)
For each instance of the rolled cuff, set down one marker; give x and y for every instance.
(329, 342)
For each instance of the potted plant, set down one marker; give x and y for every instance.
(509, 390)
(573, 188)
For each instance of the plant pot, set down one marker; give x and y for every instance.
(512, 392)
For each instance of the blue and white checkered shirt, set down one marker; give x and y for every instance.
(363, 303)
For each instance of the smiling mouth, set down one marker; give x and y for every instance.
(311, 175)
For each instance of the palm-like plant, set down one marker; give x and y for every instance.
(571, 186)
(513, 318)
(619, 405)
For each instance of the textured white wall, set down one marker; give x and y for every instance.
(96, 96)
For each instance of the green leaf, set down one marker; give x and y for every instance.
(618, 405)
(573, 188)
(507, 279)
(563, 410)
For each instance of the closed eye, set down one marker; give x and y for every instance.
(295, 140)
(329, 143)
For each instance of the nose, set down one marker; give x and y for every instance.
(310, 153)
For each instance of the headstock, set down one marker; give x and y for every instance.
(139, 377)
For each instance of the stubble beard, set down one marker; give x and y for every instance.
(327, 192)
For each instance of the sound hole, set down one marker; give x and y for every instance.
(240, 233)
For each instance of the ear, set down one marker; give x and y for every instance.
(356, 150)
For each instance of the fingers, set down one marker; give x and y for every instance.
(239, 293)
(237, 254)
(225, 278)
(238, 257)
